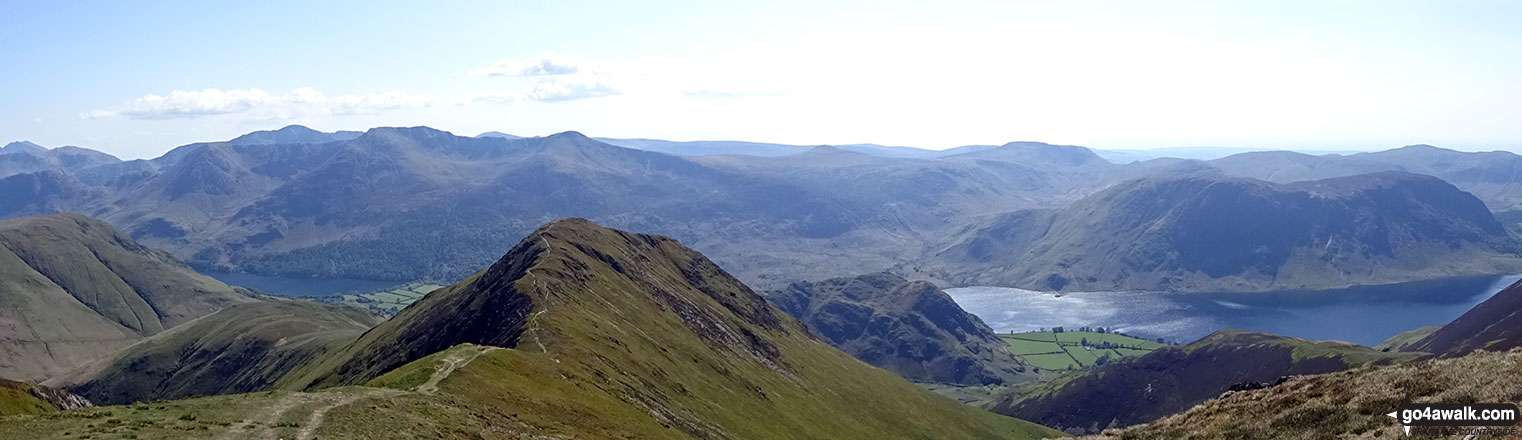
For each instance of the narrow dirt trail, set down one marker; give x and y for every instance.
(314, 420)
(452, 362)
(268, 418)
(328, 400)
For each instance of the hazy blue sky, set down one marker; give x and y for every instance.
(137, 79)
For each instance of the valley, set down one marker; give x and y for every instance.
(796, 220)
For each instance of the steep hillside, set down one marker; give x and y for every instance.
(1173, 379)
(243, 348)
(73, 289)
(1494, 325)
(1348, 404)
(611, 334)
(910, 328)
(1211, 233)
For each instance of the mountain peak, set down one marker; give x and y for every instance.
(556, 266)
(418, 133)
(22, 147)
(292, 134)
(1069, 154)
(640, 334)
(296, 128)
(498, 134)
(569, 134)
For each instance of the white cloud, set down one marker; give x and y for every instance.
(545, 64)
(570, 88)
(259, 104)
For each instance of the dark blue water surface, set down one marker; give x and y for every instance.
(302, 287)
(1365, 314)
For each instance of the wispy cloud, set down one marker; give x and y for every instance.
(545, 64)
(490, 97)
(568, 88)
(259, 104)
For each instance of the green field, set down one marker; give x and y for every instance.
(1059, 361)
(1062, 351)
(1021, 347)
(386, 302)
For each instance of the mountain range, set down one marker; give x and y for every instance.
(418, 204)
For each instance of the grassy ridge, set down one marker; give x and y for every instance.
(618, 335)
(16, 398)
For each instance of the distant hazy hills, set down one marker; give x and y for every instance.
(73, 289)
(418, 203)
(1216, 233)
(411, 204)
(910, 328)
(1495, 177)
(26, 157)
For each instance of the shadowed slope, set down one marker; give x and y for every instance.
(1494, 325)
(910, 328)
(243, 348)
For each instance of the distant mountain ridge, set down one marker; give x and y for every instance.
(1207, 232)
(1492, 176)
(418, 204)
(293, 134)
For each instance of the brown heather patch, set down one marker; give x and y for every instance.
(1348, 404)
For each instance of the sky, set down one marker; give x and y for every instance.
(136, 79)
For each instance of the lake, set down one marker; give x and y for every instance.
(1365, 315)
(302, 287)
